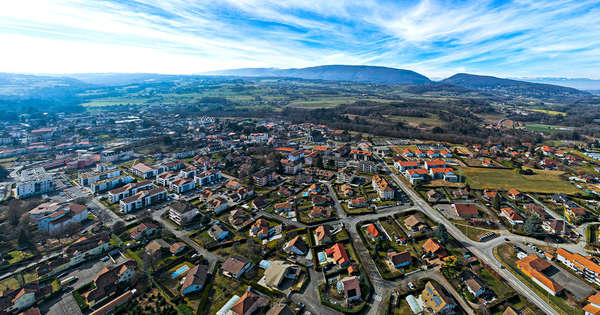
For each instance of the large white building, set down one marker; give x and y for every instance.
(143, 199)
(33, 182)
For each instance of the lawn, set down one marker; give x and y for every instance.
(349, 210)
(472, 232)
(222, 290)
(18, 256)
(543, 181)
(12, 282)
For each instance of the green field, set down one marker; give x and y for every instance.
(432, 120)
(539, 127)
(502, 179)
(549, 112)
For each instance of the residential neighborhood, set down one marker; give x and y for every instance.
(254, 217)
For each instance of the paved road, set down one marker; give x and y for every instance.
(182, 234)
(65, 304)
(340, 212)
(483, 251)
(105, 215)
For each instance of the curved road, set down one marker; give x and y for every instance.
(483, 251)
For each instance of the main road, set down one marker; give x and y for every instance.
(483, 251)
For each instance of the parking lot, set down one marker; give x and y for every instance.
(579, 288)
(65, 304)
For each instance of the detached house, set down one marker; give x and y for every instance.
(260, 229)
(218, 205)
(337, 253)
(143, 230)
(413, 223)
(350, 287)
(323, 234)
(399, 260)
(433, 248)
(296, 246)
(515, 194)
(575, 214)
(194, 280)
(512, 216)
(235, 267)
(218, 233)
(249, 303)
(373, 232)
(238, 218)
(106, 279)
(319, 212)
(434, 298)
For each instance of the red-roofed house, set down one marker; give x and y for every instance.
(512, 216)
(465, 210)
(338, 254)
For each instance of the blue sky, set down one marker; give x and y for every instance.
(436, 38)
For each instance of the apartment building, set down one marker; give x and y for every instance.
(143, 199)
(383, 188)
(32, 182)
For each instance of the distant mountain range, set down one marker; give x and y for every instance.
(72, 89)
(370, 74)
(512, 87)
(576, 83)
(386, 75)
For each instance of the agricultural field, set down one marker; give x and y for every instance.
(544, 128)
(549, 112)
(328, 101)
(543, 181)
(431, 121)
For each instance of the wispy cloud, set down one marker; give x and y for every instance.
(435, 37)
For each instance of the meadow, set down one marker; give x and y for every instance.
(502, 179)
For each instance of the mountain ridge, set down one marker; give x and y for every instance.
(512, 87)
(352, 73)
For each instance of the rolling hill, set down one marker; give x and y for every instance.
(513, 88)
(370, 74)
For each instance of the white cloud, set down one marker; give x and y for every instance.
(179, 36)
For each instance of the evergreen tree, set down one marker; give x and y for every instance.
(533, 226)
(441, 234)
